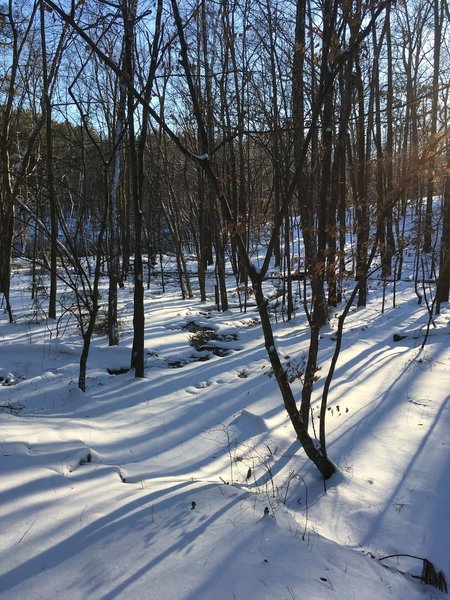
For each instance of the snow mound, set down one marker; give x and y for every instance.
(247, 424)
(62, 457)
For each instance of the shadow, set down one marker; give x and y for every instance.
(180, 545)
(431, 496)
(92, 533)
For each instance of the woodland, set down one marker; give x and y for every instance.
(224, 299)
(207, 129)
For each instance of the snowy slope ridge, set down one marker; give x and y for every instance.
(190, 485)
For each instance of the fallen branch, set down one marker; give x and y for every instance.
(418, 333)
(430, 575)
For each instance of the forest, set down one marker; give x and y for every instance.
(286, 162)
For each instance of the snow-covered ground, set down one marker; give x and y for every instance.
(189, 484)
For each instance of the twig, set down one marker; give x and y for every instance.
(25, 533)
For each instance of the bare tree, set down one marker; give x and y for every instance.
(18, 28)
(49, 74)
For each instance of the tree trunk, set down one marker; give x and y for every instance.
(361, 209)
(137, 353)
(438, 20)
(443, 285)
(322, 462)
(114, 242)
(47, 111)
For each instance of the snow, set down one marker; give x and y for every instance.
(189, 484)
